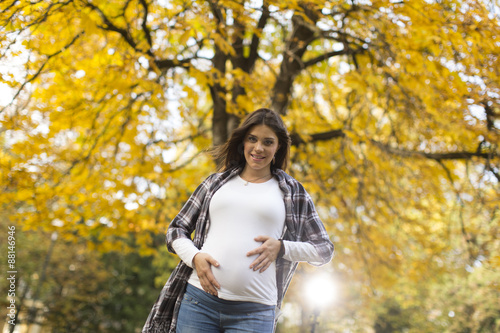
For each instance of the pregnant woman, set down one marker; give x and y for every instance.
(252, 224)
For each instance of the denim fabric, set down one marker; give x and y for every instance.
(204, 313)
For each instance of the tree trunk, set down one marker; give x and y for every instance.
(302, 35)
(218, 92)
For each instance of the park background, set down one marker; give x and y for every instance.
(108, 109)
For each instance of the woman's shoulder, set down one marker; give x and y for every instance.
(219, 176)
(212, 178)
(293, 184)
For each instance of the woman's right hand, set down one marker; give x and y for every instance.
(203, 263)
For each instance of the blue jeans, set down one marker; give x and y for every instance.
(201, 312)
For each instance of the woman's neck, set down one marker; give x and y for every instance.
(258, 175)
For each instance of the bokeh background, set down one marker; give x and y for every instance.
(108, 108)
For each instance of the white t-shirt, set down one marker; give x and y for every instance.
(238, 214)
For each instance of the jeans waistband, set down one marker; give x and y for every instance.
(223, 305)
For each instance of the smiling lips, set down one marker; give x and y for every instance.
(257, 157)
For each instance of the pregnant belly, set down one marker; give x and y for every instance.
(236, 278)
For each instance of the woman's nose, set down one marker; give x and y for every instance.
(258, 146)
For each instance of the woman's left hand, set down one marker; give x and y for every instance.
(268, 252)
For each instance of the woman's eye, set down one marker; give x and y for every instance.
(268, 143)
(251, 139)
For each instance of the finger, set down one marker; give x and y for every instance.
(213, 262)
(261, 238)
(265, 267)
(205, 275)
(208, 276)
(259, 262)
(262, 264)
(208, 287)
(255, 251)
(255, 262)
(211, 289)
(213, 281)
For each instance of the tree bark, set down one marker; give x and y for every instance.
(219, 120)
(225, 122)
(304, 32)
(217, 90)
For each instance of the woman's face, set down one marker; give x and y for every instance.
(260, 145)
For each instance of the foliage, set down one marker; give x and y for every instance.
(67, 280)
(80, 290)
(393, 107)
(468, 303)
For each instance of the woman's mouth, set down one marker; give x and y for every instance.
(257, 157)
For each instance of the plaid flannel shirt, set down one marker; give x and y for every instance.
(302, 224)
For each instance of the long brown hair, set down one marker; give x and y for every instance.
(230, 155)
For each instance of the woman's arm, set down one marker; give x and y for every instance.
(201, 262)
(313, 233)
(301, 251)
(186, 250)
(293, 251)
(184, 222)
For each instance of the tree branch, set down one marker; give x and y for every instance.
(145, 28)
(216, 11)
(50, 56)
(458, 155)
(297, 140)
(491, 117)
(218, 90)
(164, 64)
(110, 26)
(240, 61)
(328, 55)
(254, 46)
(304, 32)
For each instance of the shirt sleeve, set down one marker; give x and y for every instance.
(301, 251)
(184, 222)
(186, 250)
(311, 229)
